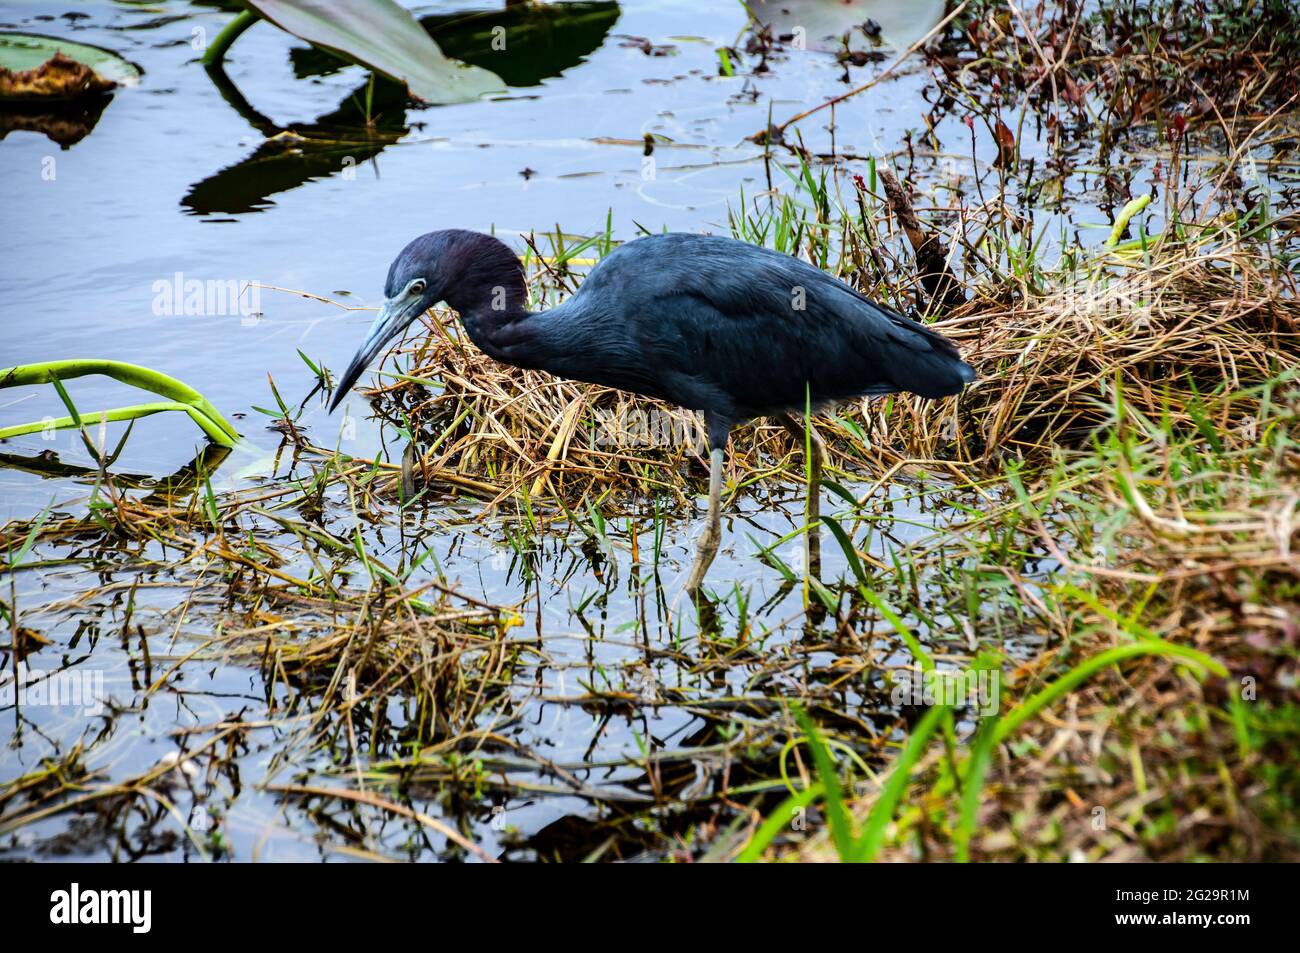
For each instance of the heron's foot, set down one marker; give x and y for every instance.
(705, 550)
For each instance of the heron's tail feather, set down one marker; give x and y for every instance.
(927, 361)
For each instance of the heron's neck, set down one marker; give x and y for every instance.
(494, 293)
(533, 340)
(492, 300)
(506, 335)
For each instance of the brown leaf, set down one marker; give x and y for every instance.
(59, 77)
(1070, 91)
(1006, 144)
(29, 641)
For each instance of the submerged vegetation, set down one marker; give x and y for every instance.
(1055, 618)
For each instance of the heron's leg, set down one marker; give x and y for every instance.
(809, 438)
(707, 547)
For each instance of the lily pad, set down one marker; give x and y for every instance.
(36, 67)
(826, 22)
(385, 37)
(545, 39)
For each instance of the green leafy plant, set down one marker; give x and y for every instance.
(179, 396)
(378, 34)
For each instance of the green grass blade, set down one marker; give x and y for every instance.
(1088, 667)
(841, 822)
(144, 378)
(911, 641)
(17, 559)
(846, 544)
(873, 835)
(776, 822)
(973, 788)
(209, 427)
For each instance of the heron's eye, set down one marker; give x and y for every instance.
(416, 287)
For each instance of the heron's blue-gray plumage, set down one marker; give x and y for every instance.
(705, 322)
(734, 330)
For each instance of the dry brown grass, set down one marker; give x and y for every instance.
(1165, 332)
(355, 660)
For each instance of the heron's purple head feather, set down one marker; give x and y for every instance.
(468, 270)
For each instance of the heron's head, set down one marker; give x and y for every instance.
(452, 265)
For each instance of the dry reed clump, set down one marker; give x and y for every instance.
(348, 646)
(1117, 64)
(447, 659)
(1166, 333)
(290, 598)
(1165, 330)
(351, 669)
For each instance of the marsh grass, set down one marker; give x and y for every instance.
(358, 661)
(1119, 547)
(1156, 717)
(1116, 66)
(1127, 461)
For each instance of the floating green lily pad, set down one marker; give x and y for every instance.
(825, 23)
(20, 52)
(384, 36)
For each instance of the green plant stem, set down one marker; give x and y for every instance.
(873, 834)
(216, 50)
(1125, 216)
(47, 372)
(208, 426)
(778, 822)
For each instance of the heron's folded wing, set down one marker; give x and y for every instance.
(769, 331)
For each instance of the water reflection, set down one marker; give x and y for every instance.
(523, 44)
(541, 40)
(182, 482)
(370, 118)
(64, 123)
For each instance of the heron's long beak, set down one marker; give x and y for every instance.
(391, 321)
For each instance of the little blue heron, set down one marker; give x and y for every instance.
(708, 323)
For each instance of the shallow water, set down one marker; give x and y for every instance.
(179, 180)
(174, 181)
